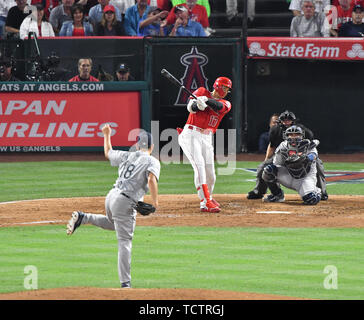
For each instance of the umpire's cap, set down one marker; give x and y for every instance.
(145, 140)
(287, 115)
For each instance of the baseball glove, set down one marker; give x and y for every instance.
(144, 208)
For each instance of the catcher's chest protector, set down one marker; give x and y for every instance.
(295, 159)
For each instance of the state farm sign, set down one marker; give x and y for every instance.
(307, 48)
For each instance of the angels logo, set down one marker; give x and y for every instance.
(194, 76)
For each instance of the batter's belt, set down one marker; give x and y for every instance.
(203, 131)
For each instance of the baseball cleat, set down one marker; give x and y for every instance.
(210, 207)
(74, 222)
(324, 196)
(126, 285)
(215, 202)
(253, 195)
(274, 198)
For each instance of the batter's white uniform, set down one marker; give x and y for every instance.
(196, 141)
(301, 179)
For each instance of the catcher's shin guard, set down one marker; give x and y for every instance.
(270, 173)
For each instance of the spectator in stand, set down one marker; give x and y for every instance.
(162, 4)
(340, 14)
(84, 69)
(264, 137)
(6, 73)
(354, 28)
(87, 5)
(5, 6)
(122, 5)
(123, 73)
(353, 3)
(196, 13)
(15, 17)
(40, 26)
(232, 11)
(78, 27)
(133, 16)
(96, 12)
(311, 23)
(184, 26)
(109, 26)
(204, 3)
(61, 14)
(48, 5)
(152, 26)
(320, 6)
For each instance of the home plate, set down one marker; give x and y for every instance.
(273, 212)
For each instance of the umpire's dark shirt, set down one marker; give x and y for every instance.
(276, 134)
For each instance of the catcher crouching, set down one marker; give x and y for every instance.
(294, 166)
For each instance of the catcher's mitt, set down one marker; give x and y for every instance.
(144, 208)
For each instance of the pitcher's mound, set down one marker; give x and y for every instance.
(88, 293)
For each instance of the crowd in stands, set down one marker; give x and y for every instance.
(106, 18)
(310, 18)
(320, 18)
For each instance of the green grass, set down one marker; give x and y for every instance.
(284, 261)
(279, 261)
(38, 180)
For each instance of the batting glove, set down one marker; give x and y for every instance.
(201, 103)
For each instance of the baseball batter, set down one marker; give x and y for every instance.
(294, 166)
(137, 171)
(196, 139)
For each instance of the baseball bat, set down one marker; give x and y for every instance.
(175, 81)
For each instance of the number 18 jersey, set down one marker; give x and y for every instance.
(208, 119)
(134, 169)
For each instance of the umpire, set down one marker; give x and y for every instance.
(285, 120)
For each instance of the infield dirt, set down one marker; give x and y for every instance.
(183, 210)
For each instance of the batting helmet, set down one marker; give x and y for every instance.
(287, 115)
(294, 130)
(222, 81)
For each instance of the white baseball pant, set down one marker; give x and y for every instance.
(199, 150)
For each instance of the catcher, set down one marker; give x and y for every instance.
(276, 136)
(137, 171)
(294, 166)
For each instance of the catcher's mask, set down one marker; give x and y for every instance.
(294, 135)
(286, 115)
(222, 81)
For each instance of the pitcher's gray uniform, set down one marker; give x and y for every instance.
(130, 187)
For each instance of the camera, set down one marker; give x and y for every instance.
(53, 61)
